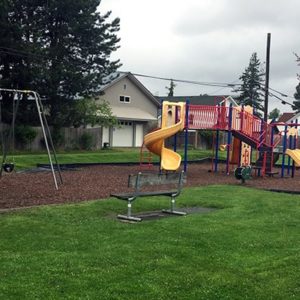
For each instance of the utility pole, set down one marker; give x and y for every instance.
(267, 78)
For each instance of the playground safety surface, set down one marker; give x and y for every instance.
(98, 182)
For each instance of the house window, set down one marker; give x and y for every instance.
(125, 123)
(125, 99)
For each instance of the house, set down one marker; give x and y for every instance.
(288, 117)
(135, 108)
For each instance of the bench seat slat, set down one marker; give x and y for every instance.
(126, 196)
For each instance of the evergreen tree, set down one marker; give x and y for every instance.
(171, 88)
(60, 48)
(296, 103)
(251, 89)
(297, 94)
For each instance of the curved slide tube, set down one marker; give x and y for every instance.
(295, 155)
(154, 141)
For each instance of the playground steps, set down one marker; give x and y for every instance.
(264, 150)
(251, 141)
(244, 138)
(271, 174)
(269, 162)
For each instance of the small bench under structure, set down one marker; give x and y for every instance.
(139, 181)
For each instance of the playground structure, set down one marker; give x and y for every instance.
(244, 132)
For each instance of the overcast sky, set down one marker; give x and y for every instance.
(207, 41)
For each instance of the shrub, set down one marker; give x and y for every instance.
(58, 137)
(24, 135)
(86, 141)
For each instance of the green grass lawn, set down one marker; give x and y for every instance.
(248, 249)
(30, 160)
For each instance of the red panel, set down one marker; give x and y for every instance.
(216, 117)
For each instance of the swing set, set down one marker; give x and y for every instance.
(8, 140)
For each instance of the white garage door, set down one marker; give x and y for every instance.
(139, 135)
(123, 137)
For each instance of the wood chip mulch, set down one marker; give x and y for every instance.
(98, 182)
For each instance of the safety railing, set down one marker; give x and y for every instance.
(217, 118)
(208, 117)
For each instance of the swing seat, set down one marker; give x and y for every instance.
(8, 167)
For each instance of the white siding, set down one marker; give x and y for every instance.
(138, 99)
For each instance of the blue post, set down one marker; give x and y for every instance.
(217, 142)
(272, 142)
(228, 139)
(186, 133)
(161, 116)
(283, 152)
(291, 147)
(294, 147)
(217, 150)
(175, 136)
(242, 125)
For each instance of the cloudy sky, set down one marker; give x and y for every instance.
(207, 41)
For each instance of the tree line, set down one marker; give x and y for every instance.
(62, 49)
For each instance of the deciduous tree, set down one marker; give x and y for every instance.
(274, 114)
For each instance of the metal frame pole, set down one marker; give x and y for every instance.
(45, 137)
(50, 139)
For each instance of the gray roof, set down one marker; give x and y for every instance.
(195, 100)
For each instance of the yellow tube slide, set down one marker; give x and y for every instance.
(295, 156)
(154, 141)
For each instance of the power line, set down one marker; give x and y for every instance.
(282, 101)
(217, 84)
(222, 85)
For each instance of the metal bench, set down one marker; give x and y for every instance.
(152, 179)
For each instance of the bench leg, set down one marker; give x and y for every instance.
(172, 209)
(129, 217)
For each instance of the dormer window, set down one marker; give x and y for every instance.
(125, 99)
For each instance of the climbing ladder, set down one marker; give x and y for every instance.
(145, 158)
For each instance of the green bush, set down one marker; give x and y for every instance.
(86, 141)
(58, 137)
(24, 135)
